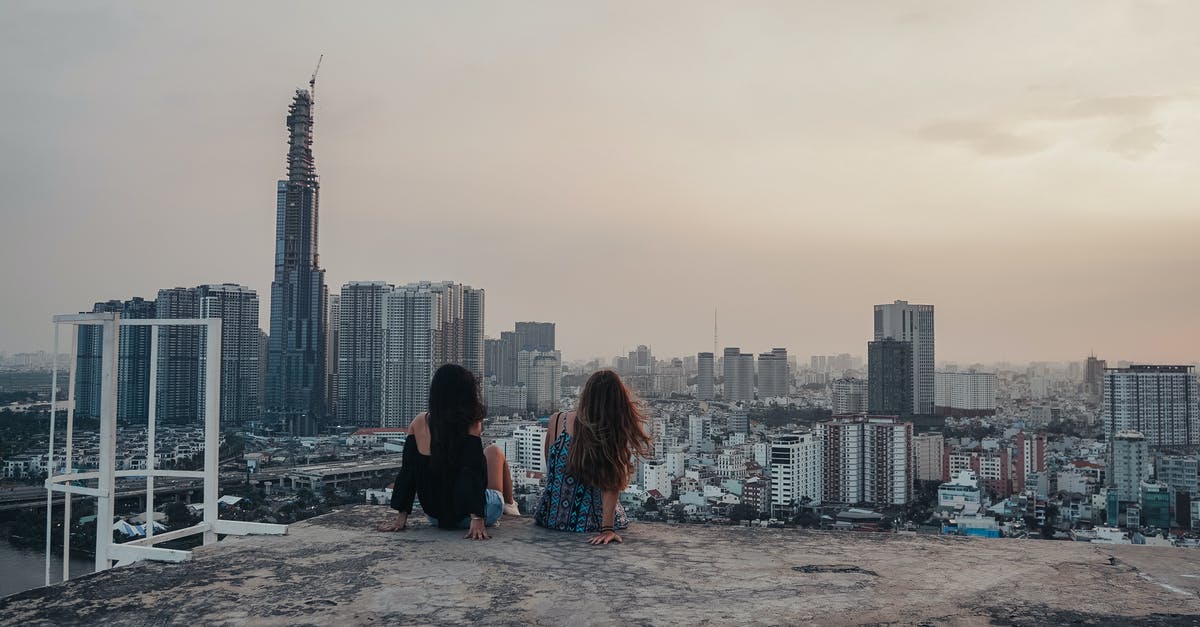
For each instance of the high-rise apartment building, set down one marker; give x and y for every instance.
(423, 326)
(912, 323)
(705, 382)
(889, 377)
(361, 351)
(299, 297)
(530, 448)
(541, 374)
(796, 466)
(237, 307)
(178, 394)
(867, 460)
(535, 336)
(1093, 383)
(412, 329)
(1129, 464)
(965, 394)
(929, 450)
(331, 353)
(1031, 458)
(133, 363)
(1160, 402)
(773, 375)
(739, 375)
(505, 399)
(849, 396)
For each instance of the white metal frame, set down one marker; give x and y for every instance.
(105, 491)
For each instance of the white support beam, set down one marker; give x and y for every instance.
(171, 535)
(126, 552)
(108, 438)
(240, 528)
(69, 489)
(212, 424)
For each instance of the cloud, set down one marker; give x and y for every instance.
(1129, 126)
(985, 137)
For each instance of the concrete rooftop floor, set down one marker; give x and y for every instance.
(336, 570)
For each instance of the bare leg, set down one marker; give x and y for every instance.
(508, 485)
(497, 467)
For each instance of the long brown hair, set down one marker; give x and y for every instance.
(609, 432)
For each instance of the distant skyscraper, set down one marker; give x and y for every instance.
(1160, 402)
(411, 350)
(912, 323)
(361, 354)
(237, 307)
(297, 343)
(506, 366)
(179, 357)
(889, 377)
(460, 311)
(704, 377)
(773, 374)
(1093, 383)
(425, 325)
(133, 364)
(849, 396)
(739, 375)
(331, 353)
(541, 374)
(535, 336)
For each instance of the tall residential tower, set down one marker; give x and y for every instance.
(912, 323)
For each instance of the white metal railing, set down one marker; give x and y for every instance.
(105, 491)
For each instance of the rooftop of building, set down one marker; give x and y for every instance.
(335, 570)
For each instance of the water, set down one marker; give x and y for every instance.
(23, 569)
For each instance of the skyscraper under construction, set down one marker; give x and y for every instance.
(299, 297)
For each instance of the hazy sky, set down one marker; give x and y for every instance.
(1033, 170)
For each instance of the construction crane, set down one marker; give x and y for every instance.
(312, 82)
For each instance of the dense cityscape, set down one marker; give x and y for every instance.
(314, 412)
(317, 393)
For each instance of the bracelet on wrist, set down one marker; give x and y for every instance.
(607, 528)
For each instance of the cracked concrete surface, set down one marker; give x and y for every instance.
(336, 570)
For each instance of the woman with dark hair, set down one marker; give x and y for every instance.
(461, 484)
(590, 455)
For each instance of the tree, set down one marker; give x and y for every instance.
(650, 505)
(678, 512)
(742, 511)
(178, 514)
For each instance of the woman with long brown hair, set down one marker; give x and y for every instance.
(590, 455)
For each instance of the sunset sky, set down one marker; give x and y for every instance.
(1031, 169)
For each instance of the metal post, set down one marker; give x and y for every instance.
(69, 452)
(212, 425)
(108, 442)
(50, 454)
(150, 418)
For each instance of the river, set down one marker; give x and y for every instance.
(23, 569)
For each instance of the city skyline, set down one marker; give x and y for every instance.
(1064, 175)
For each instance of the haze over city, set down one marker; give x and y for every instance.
(624, 169)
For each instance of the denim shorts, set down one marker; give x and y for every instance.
(491, 511)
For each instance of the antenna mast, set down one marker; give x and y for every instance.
(714, 332)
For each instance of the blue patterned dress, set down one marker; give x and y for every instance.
(568, 504)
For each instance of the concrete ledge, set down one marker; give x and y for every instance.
(335, 570)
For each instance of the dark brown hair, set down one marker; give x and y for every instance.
(609, 433)
(454, 405)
